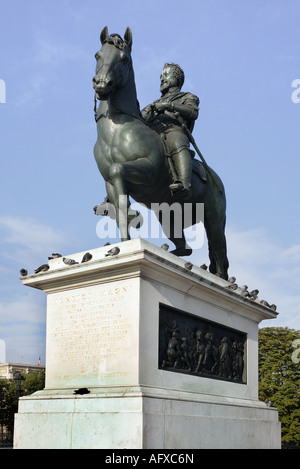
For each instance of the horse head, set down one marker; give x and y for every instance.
(114, 63)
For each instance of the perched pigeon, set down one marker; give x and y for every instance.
(246, 294)
(56, 255)
(203, 266)
(42, 268)
(265, 303)
(165, 247)
(113, 252)
(273, 307)
(188, 265)
(69, 261)
(87, 257)
(254, 294)
(244, 291)
(232, 286)
(232, 280)
(23, 272)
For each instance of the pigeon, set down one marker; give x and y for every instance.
(23, 272)
(246, 294)
(244, 291)
(165, 247)
(56, 255)
(273, 307)
(232, 280)
(254, 294)
(188, 265)
(87, 257)
(232, 286)
(42, 268)
(203, 266)
(113, 252)
(69, 261)
(269, 403)
(265, 303)
(107, 244)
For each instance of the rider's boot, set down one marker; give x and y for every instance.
(183, 165)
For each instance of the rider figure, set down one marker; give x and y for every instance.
(163, 116)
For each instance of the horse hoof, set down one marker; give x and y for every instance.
(105, 209)
(181, 252)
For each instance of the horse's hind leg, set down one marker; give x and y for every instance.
(215, 231)
(173, 229)
(182, 248)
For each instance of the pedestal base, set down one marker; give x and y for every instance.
(145, 420)
(145, 354)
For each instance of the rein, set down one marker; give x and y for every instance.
(140, 118)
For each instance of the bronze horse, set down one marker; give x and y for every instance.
(131, 156)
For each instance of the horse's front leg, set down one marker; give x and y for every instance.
(140, 172)
(120, 199)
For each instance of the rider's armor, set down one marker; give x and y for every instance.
(169, 127)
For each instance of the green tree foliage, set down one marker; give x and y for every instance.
(9, 395)
(8, 403)
(279, 377)
(33, 382)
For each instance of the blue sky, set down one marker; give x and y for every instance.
(239, 56)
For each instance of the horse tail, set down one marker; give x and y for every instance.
(215, 222)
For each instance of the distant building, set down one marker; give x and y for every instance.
(8, 370)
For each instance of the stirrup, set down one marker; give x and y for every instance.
(181, 186)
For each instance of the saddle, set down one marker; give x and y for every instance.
(199, 169)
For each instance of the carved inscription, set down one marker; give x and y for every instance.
(189, 344)
(90, 331)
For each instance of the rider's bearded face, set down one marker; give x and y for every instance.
(167, 79)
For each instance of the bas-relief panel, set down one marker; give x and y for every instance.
(196, 346)
(91, 333)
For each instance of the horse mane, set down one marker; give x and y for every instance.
(116, 40)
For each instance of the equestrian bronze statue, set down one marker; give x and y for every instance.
(146, 154)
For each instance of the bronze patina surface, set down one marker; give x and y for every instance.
(146, 154)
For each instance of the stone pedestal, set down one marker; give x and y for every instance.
(115, 379)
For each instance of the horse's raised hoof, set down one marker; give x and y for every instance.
(181, 252)
(105, 209)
